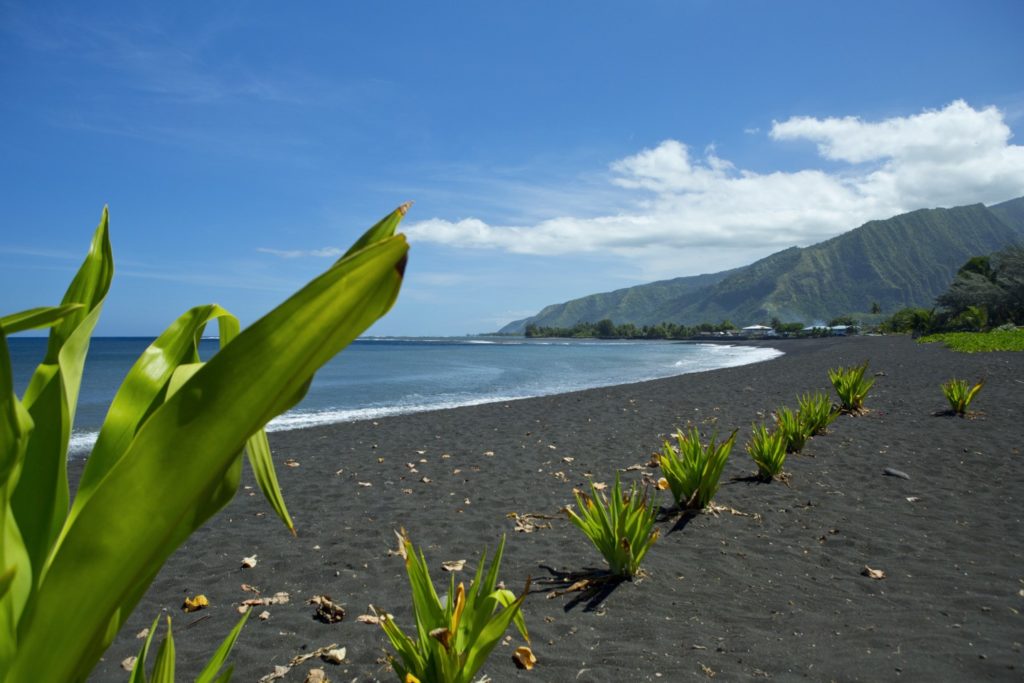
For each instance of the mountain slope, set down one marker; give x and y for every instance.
(906, 260)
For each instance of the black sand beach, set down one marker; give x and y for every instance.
(777, 594)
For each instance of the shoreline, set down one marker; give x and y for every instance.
(82, 441)
(779, 594)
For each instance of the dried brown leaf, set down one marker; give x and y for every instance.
(195, 604)
(249, 562)
(524, 658)
(876, 574)
(316, 676)
(128, 663)
(453, 565)
(327, 610)
(334, 656)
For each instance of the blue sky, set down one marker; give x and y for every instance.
(553, 149)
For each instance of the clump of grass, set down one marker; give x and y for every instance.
(692, 470)
(454, 637)
(960, 394)
(621, 526)
(768, 451)
(977, 342)
(851, 386)
(816, 412)
(792, 428)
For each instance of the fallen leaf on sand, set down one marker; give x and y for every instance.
(407, 492)
(368, 619)
(291, 462)
(128, 663)
(279, 672)
(600, 486)
(316, 676)
(913, 499)
(400, 535)
(421, 452)
(453, 565)
(552, 446)
(568, 458)
(365, 484)
(708, 671)
(195, 604)
(327, 611)
(876, 574)
(280, 598)
(489, 454)
(334, 656)
(249, 562)
(425, 480)
(524, 658)
(634, 468)
(142, 634)
(264, 615)
(528, 523)
(250, 589)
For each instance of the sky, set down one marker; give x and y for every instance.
(553, 148)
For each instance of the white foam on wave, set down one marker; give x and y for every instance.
(727, 356)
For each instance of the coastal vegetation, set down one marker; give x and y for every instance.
(72, 570)
(975, 342)
(851, 386)
(816, 412)
(960, 394)
(621, 526)
(768, 451)
(792, 428)
(453, 638)
(692, 469)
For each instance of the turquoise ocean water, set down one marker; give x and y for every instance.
(378, 377)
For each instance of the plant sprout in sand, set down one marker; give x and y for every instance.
(454, 638)
(692, 470)
(851, 386)
(960, 394)
(768, 451)
(620, 526)
(816, 412)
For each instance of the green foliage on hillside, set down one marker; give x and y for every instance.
(902, 262)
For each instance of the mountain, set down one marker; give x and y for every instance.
(906, 260)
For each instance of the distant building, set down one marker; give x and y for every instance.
(756, 331)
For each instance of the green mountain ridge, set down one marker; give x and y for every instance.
(906, 260)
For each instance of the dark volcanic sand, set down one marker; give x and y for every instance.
(777, 596)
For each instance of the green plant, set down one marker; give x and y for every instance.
(767, 450)
(851, 386)
(692, 472)
(815, 412)
(960, 394)
(163, 668)
(977, 342)
(168, 455)
(792, 428)
(454, 638)
(621, 526)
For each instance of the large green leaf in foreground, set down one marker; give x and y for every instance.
(171, 457)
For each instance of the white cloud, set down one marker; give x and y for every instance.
(325, 252)
(684, 213)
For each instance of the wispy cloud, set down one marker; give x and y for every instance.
(324, 252)
(682, 210)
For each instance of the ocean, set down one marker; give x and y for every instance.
(375, 377)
